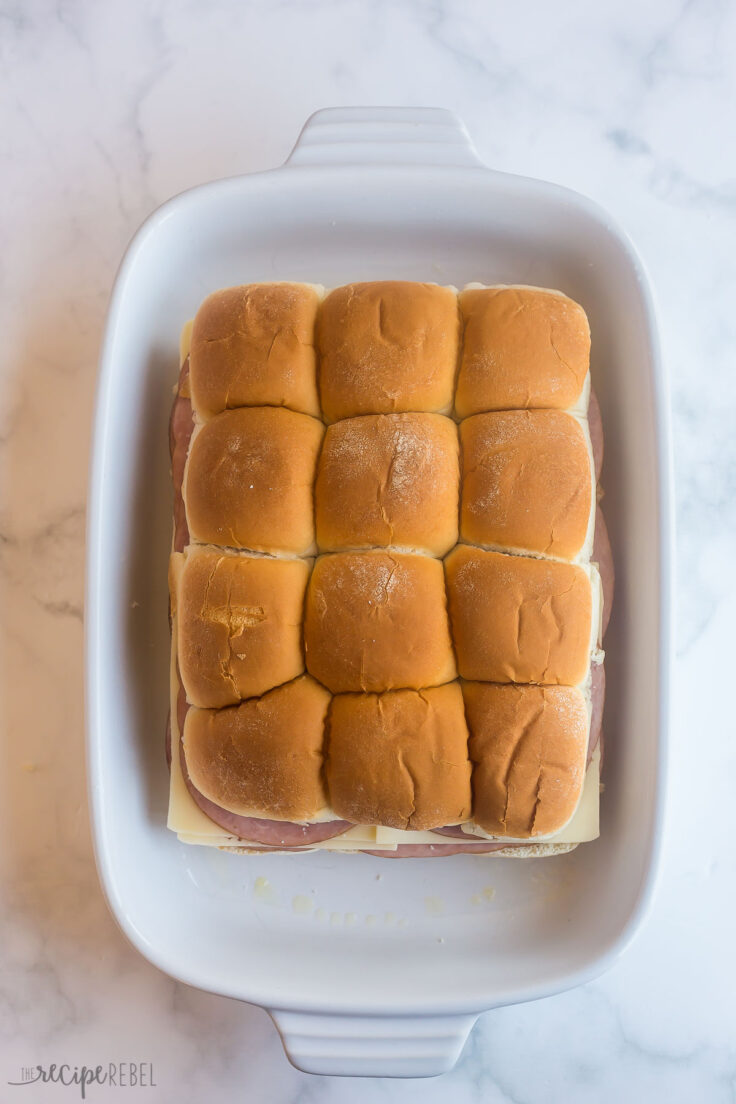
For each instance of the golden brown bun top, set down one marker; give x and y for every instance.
(387, 347)
(389, 479)
(254, 346)
(239, 622)
(262, 758)
(528, 747)
(522, 348)
(377, 621)
(527, 482)
(519, 619)
(249, 478)
(384, 629)
(399, 759)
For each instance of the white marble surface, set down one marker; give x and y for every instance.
(109, 108)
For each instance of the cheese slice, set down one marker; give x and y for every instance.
(185, 340)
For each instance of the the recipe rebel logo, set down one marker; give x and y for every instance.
(118, 1075)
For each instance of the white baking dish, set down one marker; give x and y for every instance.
(370, 966)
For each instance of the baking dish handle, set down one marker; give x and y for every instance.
(372, 1046)
(384, 135)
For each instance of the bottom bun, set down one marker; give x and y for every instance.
(499, 851)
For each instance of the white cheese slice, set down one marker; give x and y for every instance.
(185, 340)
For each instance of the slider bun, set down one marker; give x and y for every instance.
(518, 619)
(389, 479)
(387, 347)
(522, 347)
(528, 748)
(262, 758)
(377, 621)
(248, 480)
(399, 759)
(254, 346)
(531, 850)
(239, 625)
(527, 482)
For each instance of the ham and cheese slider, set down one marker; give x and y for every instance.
(528, 746)
(528, 483)
(523, 348)
(254, 346)
(387, 346)
(519, 619)
(389, 480)
(238, 623)
(248, 481)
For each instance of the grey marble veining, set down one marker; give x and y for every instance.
(106, 111)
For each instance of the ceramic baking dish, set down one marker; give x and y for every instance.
(370, 966)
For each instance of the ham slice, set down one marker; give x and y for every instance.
(456, 830)
(182, 705)
(603, 556)
(181, 425)
(478, 845)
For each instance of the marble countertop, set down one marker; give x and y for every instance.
(107, 110)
